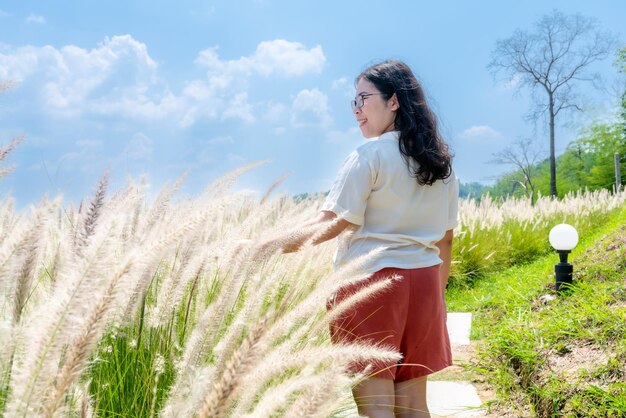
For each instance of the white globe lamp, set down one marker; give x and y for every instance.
(563, 238)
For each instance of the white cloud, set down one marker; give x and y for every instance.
(224, 91)
(39, 20)
(118, 77)
(289, 58)
(310, 107)
(227, 80)
(213, 149)
(339, 83)
(239, 108)
(72, 80)
(141, 106)
(140, 147)
(4, 14)
(220, 140)
(279, 130)
(480, 132)
(343, 85)
(85, 157)
(275, 112)
(270, 57)
(235, 160)
(352, 134)
(88, 143)
(203, 11)
(206, 156)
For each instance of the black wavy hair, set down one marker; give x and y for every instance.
(420, 139)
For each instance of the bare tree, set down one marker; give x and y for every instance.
(552, 60)
(523, 156)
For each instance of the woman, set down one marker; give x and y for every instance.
(397, 191)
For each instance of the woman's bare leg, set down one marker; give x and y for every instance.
(410, 399)
(375, 397)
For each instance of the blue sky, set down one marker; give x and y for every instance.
(166, 87)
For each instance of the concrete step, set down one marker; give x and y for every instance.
(454, 399)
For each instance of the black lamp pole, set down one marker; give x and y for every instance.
(563, 271)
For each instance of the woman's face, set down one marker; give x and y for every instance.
(377, 115)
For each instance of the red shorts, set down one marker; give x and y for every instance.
(409, 317)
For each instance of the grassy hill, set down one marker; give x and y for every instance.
(555, 357)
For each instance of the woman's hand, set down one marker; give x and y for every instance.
(322, 228)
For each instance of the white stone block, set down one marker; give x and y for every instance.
(454, 399)
(459, 326)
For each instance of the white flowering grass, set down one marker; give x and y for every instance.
(130, 308)
(125, 308)
(497, 233)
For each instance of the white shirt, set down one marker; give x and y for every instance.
(375, 190)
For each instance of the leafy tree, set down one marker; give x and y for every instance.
(472, 190)
(598, 144)
(552, 60)
(571, 167)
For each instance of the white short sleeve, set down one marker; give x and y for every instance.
(453, 209)
(348, 196)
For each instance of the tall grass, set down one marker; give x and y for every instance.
(497, 233)
(123, 307)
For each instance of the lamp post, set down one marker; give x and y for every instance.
(563, 238)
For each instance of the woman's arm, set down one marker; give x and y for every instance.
(323, 227)
(445, 253)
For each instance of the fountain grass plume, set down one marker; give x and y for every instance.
(224, 183)
(7, 215)
(161, 204)
(278, 396)
(10, 147)
(173, 288)
(273, 187)
(324, 397)
(243, 269)
(7, 84)
(65, 319)
(202, 336)
(219, 399)
(358, 297)
(12, 237)
(291, 325)
(27, 254)
(213, 317)
(287, 363)
(351, 273)
(53, 323)
(260, 286)
(189, 366)
(79, 350)
(93, 212)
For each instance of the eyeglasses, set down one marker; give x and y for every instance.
(358, 102)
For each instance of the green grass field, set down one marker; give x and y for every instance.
(564, 357)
